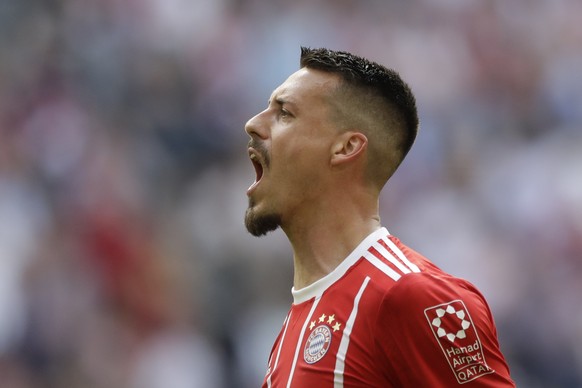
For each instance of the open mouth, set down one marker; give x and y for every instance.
(258, 165)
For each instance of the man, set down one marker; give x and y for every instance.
(367, 310)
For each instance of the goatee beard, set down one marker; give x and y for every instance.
(259, 225)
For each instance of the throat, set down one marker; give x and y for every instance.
(319, 252)
(306, 275)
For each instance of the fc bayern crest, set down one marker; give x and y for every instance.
(317, 344)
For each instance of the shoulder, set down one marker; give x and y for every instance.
(432, 326)
(442, 326)
(425, 285)
(418, 295)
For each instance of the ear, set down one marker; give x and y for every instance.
(348, 147)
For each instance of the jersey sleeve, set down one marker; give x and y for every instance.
(438, 331)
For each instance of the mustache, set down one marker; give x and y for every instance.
(261, 149)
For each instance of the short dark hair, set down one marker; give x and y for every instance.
(371, 76)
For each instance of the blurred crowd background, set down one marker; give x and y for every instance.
(124, 262)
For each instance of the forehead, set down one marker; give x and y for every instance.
(306, 86)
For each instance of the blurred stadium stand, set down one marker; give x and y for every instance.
(124, 261)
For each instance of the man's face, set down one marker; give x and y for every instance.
(290, 150)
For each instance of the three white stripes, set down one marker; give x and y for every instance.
(400, 255)
(394, 256)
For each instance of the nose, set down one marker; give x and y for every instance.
(256, 126)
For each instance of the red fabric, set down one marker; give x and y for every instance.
(387, 317)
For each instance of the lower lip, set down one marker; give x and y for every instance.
(253, 187)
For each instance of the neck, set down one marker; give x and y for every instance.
(325, 236)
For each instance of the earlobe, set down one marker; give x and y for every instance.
(350, 145)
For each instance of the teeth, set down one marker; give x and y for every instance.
(253, 157)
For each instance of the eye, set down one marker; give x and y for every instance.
(284, 113)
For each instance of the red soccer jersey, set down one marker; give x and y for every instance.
(387, 317)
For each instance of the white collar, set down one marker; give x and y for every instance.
(317, 288)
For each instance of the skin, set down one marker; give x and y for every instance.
(316, 179)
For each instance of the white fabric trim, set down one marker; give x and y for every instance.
(317, 288)
(279, 350)
(340, 362)
(376, 262)
(300, 341)
(390, 257)
(413, 267)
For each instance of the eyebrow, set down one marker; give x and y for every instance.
(280, 101)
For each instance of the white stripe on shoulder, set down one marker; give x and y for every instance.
(390, 257)
(413, 267)
(376, 262)
(340, 362)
